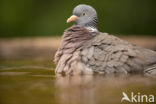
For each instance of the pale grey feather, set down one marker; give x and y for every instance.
(113, 55)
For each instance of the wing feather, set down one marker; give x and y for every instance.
(113, 55)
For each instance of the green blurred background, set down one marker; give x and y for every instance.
(20, 18)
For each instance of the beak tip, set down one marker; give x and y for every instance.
(71, 19)
(67, 21)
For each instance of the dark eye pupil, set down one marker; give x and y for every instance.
(83, 14)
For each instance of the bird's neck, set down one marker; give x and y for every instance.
(74, 37)
(92, 30)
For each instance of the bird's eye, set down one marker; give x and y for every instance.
(83, 14)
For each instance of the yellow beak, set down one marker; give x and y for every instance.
(72, 18)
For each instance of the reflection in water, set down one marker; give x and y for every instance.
(75, 90)
(99, 89)
(38, 85)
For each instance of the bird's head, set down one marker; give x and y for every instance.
(84, 15)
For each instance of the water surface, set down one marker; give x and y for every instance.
(34, 82)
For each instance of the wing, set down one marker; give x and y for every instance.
(150, 65)
(109, 54)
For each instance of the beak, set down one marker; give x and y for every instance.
(72, 18)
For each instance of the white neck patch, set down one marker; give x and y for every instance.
(92, 30)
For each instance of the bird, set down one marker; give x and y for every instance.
(84, 50)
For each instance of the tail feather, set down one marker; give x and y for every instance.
(150, 71)
(150, 63)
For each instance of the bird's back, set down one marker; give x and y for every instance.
(113, 55)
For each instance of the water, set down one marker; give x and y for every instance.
(34, 82)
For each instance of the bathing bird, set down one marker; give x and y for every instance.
(84, 50)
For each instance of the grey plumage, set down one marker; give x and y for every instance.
(87, 16)
(81, 52)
